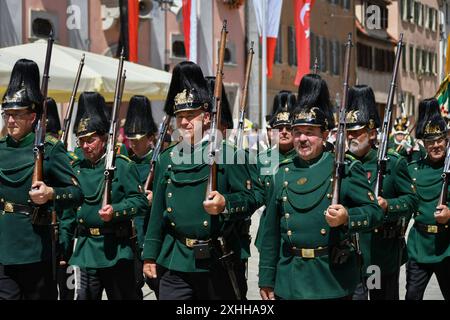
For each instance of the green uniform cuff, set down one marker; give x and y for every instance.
(123, 212)
(67, 197)
(358, 220)
(267, 277)
(396, 209)
(151, 250)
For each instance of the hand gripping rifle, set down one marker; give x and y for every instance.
(110, 161)
(39, 149)
(240, 129)
(383, 147)
(339, 161)
(69, 112)
(158, 149)
(215, 115)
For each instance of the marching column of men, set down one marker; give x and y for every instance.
(193, 245)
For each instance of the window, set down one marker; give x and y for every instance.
(346, 4)
(364, 56)
(426, 17)
(410, 11)
(424, 61)
(312, 46)
(292, 50)
(430, 18)
(402, 9)
(230, 52)
(435, 65)
(279, 46)
(418, 60)
(335, 57)
(421, 14)
(41, 23)
(435, 20)
(178, 49)
(323, 54)
(384, 60)
(416, 12)
(404, 58)
(411, 58)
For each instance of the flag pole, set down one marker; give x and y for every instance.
(264, 67)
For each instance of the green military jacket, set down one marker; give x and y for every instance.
(21, 242)
(399, 192)
(141, 219)
(424, 247)
(267, 170)
(101, 251)
(177, 211)
(300, 195)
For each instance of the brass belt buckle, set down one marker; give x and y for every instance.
(432, 229)
(190, 242)
(94, 231)
(308, 253)
(9, 207)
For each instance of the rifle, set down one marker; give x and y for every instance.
(215, 115)
(445, 175)
(382, 149)
(339, 163)
(110, 161)
(39, 149)
(158, 148)
(240, 130)
(69, 112)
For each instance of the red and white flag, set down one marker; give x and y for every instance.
(302, 32)
(189, 11)
(272, 23)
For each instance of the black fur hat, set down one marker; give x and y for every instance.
(283, 104)
(313, 93)
(188, 89)
(139, 120)
(430, 124)
(23, 90)
(93, 119)
(226, 118)
(53, 122)
(361, 109)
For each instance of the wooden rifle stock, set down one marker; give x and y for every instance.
(341, 132)
(38, 172)
(69, 112)
(158, 149)
(382, 150)
(215, 114)
(110, 160)
(240, 129)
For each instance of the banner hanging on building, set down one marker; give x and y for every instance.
(189, 11)
(302, 32)
(272, 23)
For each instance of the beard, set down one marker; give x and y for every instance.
(358, 147)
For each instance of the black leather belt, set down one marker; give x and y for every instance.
(309, 253)
(120, 230)
(9, 207)
(188, 242)
(431, 228)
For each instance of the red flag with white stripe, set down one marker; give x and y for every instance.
(272, 23)
(302, 32)
(189, 11)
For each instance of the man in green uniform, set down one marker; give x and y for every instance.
(429, 238)
(104, 246)
(282, 148)
(25, 242)
(140, 130)
(403, 143)
(306, 252)
(186, 233)
(383, 247)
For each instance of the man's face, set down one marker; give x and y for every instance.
(285, 138)
(359, 141)
(18, 122)
(141, 146)
(399, 137)
(93, 146)
(308, 141)
(436, 149)
(191, 124)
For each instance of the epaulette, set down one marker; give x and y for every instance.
(72, 156)
(3, 139)
(51, 139)
(124, 157)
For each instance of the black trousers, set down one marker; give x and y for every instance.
(212, 285)
(33, 281)
(118, 281)
(141, 280)
(389, 289)
(66, 284)
(419, 274)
